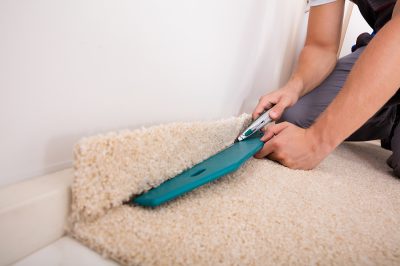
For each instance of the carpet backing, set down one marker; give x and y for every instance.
(344, 212)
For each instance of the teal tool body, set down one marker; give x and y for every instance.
(222, 163)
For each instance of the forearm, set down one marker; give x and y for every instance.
(319, 55)
(374, 79)
(314, 65)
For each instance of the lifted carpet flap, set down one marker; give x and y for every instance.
(345, 212)
(110, 168)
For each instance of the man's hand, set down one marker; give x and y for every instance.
(317, 59)
(277, 101)
(292, 146)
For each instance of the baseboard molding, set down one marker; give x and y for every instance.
(33, 214)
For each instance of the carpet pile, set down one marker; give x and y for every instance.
(344, 212)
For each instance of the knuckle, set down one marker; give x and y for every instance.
(287, 162)
(277, 144)
(259, 154)
(274, 145)
(283, 104)
(279, 157)
(280, 107)
(277, 108)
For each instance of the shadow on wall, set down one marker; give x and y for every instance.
(271, 37)
(59, 152)
(128, 64)
(277, 52)
(252, 33)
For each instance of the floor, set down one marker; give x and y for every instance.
(59, 253)
(68, 252)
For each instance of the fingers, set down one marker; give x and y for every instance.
(276, 101)
(265, 103)
(277, 111)
(271, 144)
(266, 150)
(268, 134)
(274, 157)
(259, 110)
(273, 130)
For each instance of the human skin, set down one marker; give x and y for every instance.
(373, 80)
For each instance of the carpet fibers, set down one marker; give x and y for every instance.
(344, 212)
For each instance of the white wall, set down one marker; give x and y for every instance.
(73, 68)
(357, 25)
(281, 48)
(279, 51)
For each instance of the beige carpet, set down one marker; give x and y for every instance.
(345, 212)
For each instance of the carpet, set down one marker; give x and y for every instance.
(344, 212)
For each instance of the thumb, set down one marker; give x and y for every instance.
(276, 111)
(273, 130)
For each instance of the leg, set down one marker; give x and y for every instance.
(311, 105)
(394, 159)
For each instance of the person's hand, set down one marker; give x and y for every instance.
(292, 146)
(277, 101)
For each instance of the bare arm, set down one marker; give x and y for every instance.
(374, 79)
(319, 55)
(316, 61)
(396, 10)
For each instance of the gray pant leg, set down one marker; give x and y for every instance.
(394, 159)
(311, 105)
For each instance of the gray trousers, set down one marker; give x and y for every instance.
(379, 126)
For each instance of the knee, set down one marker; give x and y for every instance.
(394, 163)
(394, 159)
(298, 115)
(396, 171)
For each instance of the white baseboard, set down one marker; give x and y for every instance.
(33, 214)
